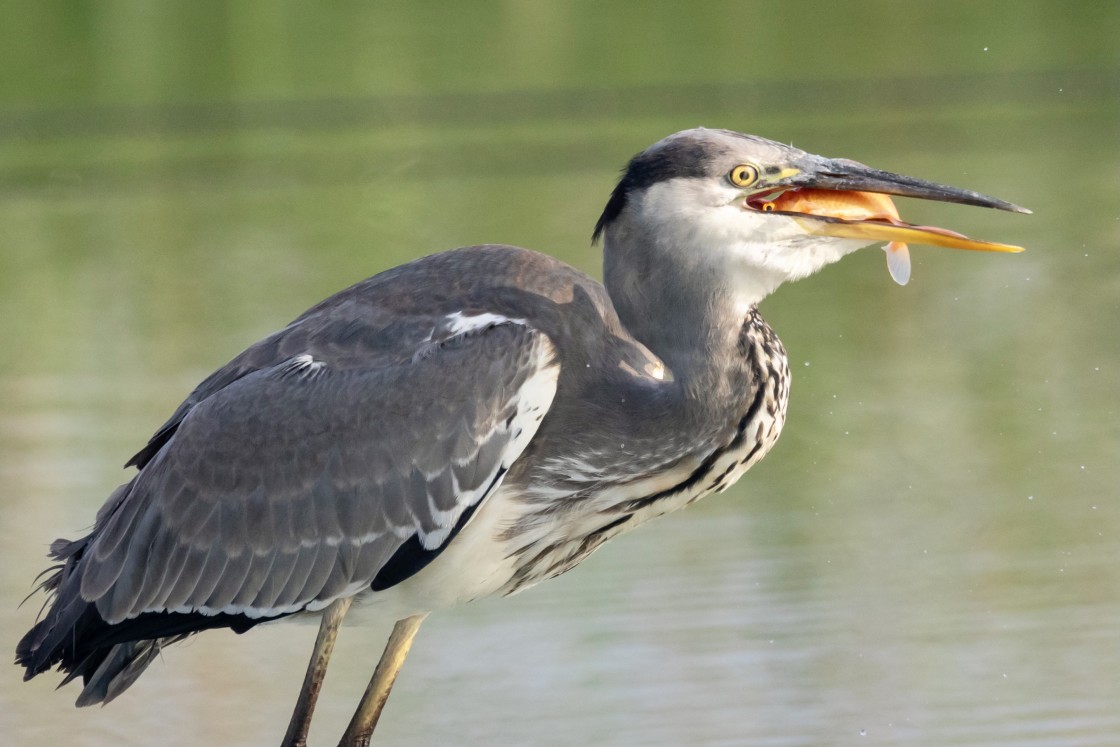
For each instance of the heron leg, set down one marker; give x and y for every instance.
(316, 671)
(361, 726)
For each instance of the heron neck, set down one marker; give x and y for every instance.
(688, 314)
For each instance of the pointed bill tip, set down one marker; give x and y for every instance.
(998, 204)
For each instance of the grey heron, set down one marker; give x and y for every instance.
(473, 422)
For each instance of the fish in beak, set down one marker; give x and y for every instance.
(845, 199)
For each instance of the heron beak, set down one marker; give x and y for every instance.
(846, 175)
(845, 199)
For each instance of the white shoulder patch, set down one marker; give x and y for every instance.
(459, 323)
(302, 365)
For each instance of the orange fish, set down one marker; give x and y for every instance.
(871, 215)
(859, 206)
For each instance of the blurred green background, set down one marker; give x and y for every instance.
(928, 557)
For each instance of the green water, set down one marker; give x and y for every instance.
(928, 557)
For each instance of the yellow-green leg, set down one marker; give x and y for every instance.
(316, 671)
(365, 718)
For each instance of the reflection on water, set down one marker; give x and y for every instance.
(928, 557)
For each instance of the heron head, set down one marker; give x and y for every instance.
(759, 213)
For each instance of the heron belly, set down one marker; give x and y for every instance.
(474, 565)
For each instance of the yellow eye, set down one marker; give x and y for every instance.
(743, 175)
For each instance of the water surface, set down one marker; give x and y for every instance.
(928, 557)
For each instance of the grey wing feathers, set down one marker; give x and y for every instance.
(294, 483)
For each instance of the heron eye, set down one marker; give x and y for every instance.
(743, 175)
